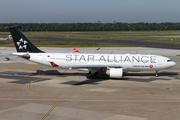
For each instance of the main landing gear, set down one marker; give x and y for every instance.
(157, 73)
(92, 75)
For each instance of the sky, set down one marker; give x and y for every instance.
(85, 11)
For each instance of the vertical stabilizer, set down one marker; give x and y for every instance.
(22, 43)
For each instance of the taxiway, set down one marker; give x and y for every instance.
(28, 90)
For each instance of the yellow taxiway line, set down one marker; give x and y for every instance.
(29, 68)
(45, 96)
(38, 92)
(51, 109)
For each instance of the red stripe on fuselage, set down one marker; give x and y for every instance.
(54, 65)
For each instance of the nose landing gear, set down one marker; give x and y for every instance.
(157, 73)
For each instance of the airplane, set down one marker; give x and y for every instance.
(112, 64)
(76, 51)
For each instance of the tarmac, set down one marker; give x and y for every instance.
(31, 91)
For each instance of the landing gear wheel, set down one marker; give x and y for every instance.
(157, 74)
(90, 75)
(93, 76)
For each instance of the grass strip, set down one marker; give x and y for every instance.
(174, 41)
(38, 43)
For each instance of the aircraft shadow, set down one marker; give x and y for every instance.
(138, 77)
(128, 77)
(56, 72)
(101, 77)
(152, 74)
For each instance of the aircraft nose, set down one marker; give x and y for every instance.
(174, 63)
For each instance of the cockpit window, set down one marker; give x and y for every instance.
(169, 60)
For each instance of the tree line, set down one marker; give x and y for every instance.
(4, 27)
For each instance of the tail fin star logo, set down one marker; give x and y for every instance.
(22, 44)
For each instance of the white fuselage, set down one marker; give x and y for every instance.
(129, 62)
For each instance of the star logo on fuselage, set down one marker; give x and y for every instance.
(22, 44)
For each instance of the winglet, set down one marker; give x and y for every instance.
(54, 64)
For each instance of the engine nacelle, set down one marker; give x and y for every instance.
(115, 72)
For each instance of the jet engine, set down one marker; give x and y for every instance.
(115, 72)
